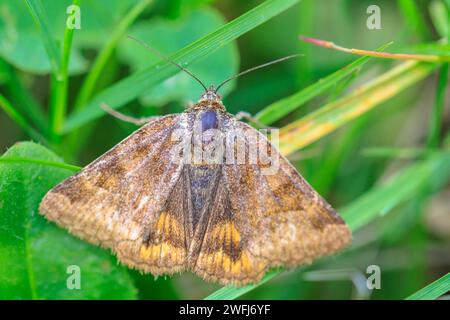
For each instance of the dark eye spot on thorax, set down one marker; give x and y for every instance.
(209, 120)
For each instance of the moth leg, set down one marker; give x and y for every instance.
(247, 116)
(124, 117)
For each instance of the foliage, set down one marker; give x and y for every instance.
(370, 134)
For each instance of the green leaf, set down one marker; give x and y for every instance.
(56, 164)
(138, 83)
(168, 36)
(434, 290)
(19, 35)
(36, 254)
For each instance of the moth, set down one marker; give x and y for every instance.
(199, 191)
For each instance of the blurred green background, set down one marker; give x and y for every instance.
(409, 239)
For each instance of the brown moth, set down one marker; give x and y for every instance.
(198, 191)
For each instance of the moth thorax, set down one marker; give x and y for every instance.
(208, 139)
(209, 120)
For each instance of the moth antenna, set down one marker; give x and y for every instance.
(258, 67)
(162, 56)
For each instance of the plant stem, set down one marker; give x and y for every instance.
(60, 84)
(385, 55)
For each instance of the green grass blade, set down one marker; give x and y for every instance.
(438, 110)
(398, 153)
(100, 62)
(136, 84)
(435, 48)
(434, 290)
(413, 17)
(41, 20)
(337, 113)
(441, 18)
(22, 98)
(377, 201)
(19, 119)
(231, 293)
(281, 108)
(403, 186)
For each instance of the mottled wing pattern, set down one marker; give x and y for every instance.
(129, 200)
(263, 220)
(217, 248)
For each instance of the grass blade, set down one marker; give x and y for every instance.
(41, 20)
(335, 114)
(369, 206)
(436, 119)
(441, 18)
(397, 153)
(100, 62)
(22, 98)
(413, 17)
(281, 108)
(434, 290)
(403, 186)
(60, 83)
(136, 84)
(231, 293)
(19, 119)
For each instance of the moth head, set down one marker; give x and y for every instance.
(211, 95)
